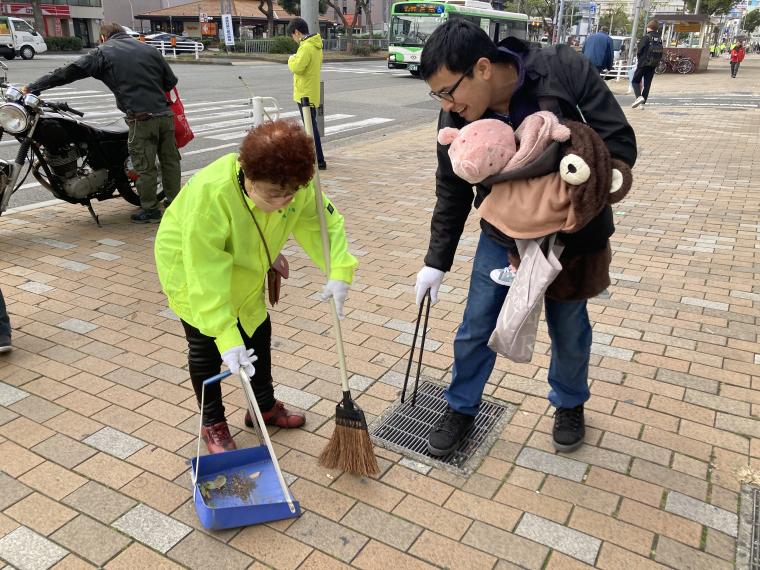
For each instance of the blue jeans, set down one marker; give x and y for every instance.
(569, 329)
(317, 140)
(5, 322)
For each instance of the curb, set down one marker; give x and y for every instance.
(242, 60)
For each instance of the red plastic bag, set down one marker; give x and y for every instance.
(183, 134)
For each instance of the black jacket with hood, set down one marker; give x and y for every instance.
(560, 80)
(137, 74)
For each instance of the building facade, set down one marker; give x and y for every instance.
(124, 11)
(80, 18)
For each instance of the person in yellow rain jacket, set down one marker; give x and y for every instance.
(306, 66)
(212, 262)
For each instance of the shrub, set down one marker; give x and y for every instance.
(363, 51)
(283, 44)
(56, 43)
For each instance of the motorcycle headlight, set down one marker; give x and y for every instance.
(13, 118)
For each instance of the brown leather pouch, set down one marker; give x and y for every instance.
(277, 272)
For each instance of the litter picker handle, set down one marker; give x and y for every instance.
(254, 407)
(320, 205)
(426, 300)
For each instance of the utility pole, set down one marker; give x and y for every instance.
(310, 13)
(558, 29)
(634, 30)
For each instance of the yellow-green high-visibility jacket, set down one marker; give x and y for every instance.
(210, 258)
(305, 65)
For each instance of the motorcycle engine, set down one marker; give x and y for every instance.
(63, 162)
(77, 182)
(87, 182)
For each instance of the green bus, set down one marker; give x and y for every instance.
(413, 22)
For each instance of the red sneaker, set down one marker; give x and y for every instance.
(279, 416)
(218, 438)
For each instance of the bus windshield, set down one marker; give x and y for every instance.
(412, 30)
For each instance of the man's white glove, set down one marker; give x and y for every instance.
(338, 290)
(238, 357)
(428, 278)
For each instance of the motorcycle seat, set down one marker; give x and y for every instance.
(115, 130)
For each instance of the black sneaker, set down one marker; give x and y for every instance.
(5, 344)
(569, 428)
(146, 217)
(448, 432)
(322, 165)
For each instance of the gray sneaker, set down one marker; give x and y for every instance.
(5, 344)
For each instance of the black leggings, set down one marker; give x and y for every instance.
(205, 361)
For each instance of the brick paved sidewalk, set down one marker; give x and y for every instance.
(97, 417)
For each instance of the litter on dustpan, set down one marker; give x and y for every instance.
(241, 487)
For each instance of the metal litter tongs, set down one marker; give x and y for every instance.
(259, 426)
(426, 304)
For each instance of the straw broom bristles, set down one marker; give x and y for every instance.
(350, 449)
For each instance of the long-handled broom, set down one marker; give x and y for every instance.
(350, 448)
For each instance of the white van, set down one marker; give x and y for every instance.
(17, 37)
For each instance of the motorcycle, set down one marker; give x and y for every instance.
(76, 161)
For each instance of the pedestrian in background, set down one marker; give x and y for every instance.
(649, 54)
(737, 56)
(5, 327)
(306, 66)
(599, 50)
(140, 78)
(214, 248)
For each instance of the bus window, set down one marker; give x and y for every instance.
(514, 29)
(412, 30)
(485, 25)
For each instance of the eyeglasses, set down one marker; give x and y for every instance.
(449, 95)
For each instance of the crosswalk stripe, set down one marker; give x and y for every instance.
(230, 125)
(355, 125)
(209, 149)
(240, 134)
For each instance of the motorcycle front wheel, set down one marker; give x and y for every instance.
(128, 191)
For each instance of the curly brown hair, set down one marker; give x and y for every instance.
(279, 152)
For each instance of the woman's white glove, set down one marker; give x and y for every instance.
(238, 357)
(338, 290)
(428, 278)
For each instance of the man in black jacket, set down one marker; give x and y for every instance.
(139, 77)
(473, 78)
(648, 53)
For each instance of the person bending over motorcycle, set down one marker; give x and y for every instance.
(212, 253)
(139, 77)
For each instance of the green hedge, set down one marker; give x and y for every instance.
(55, 43)
(283, 44)
(363, 50)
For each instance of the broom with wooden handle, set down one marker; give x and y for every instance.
(350, 448)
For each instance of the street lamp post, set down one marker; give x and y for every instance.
(132, 11)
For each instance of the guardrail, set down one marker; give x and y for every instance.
(167, 48)
(618, 70)
(333, 44)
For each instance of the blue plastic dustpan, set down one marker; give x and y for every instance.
(253, 490)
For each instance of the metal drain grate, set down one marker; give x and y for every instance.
(755, 542)
(405, 428)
